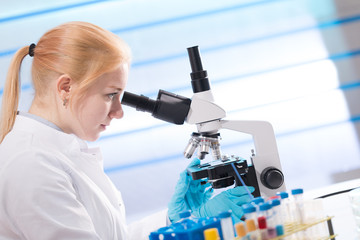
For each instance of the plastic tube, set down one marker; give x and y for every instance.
(276, 207)
(250, 212)
(299, 205)
(240, 230)
(263, 228)
(285, 208)
(297, 210)
(266, 211)
(252, 230)
(227, 226)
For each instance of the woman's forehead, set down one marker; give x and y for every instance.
(116, 79)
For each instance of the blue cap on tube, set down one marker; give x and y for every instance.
(264, 206)
(275, 202)
(185, 214)
(225, 214)
(248, 208)
(297, 191)
(258, 200)
(283, 195)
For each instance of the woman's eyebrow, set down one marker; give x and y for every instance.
(116, 88)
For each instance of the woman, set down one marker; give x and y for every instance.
(52, 186)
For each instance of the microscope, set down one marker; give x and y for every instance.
(263, 169)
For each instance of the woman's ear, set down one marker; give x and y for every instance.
(63, 86)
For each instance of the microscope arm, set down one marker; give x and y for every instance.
(266, 161)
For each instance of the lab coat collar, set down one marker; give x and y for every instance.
(69, 144)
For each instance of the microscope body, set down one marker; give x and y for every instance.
(262, 171)
(264, 168)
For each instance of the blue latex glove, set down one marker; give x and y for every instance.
(231, 199)
(191, 195)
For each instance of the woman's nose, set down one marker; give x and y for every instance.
(116, 110)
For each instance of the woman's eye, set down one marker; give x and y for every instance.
(111, 95)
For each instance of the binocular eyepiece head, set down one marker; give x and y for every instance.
(168, 107)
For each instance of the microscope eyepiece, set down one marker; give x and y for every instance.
(199, 80)
(195, 60)
(168, 107)
(140, 103)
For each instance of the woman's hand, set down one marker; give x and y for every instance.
(189, 194)
(195, 196)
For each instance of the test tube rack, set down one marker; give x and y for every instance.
(292, 229)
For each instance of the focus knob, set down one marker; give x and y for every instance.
(272, 178)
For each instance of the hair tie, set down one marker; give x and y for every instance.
(31, 49)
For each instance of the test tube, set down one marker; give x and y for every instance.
(240, 230)
(275, 204)
(249, 211)
(297, 210)
(227, 226)
(263, 228)
(253, 232)
(285, 208)
(299, 205)
(276, 207)
(266, 211)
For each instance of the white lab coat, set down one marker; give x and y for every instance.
(52, 186)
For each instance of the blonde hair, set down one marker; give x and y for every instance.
(81, 50)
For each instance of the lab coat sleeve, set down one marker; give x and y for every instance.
(140, 230)
(41, 202)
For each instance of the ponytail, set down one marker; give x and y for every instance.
(10, 99)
